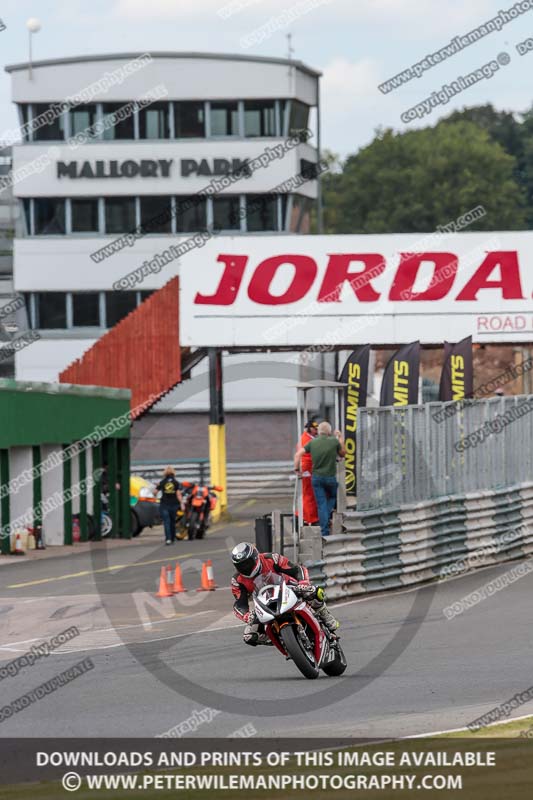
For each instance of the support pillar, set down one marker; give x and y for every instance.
(217, 431)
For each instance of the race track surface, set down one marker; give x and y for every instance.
(156, 663)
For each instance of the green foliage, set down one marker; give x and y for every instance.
(418, 180)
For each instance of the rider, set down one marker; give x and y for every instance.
(255, 570)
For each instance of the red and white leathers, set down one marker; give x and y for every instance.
(274, 569)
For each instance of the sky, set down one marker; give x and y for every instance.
(356, 44)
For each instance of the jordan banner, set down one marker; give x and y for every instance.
(457, 377)
(400, 379)
(355, 374)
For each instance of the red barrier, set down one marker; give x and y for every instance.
(142, 352)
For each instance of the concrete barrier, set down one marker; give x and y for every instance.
(397, 547)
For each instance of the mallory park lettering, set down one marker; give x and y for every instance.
(152, 168)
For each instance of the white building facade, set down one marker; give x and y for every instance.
(127, 142)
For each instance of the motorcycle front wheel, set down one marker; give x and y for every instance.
(303, 659)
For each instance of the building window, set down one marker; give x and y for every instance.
(115, 127)
(120, 214)
(82, 118)
(84, 215)
(226, 216)
(224, 119)
(261, 213)
(190, 214)
(85, 309)
(299, 118)
(154, 121)
(259, 118)
(300, 221)
(189, 120)
(24, 117)
(118, 305)
(51, 310)
(49, 215)
(156, 214)
(26, 205)
(47, 131)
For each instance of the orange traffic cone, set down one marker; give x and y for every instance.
(207, 583)
(211, 576)
(18, 545)
(178, 583)
(164, 588)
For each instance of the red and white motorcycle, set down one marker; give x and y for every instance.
(294, 629)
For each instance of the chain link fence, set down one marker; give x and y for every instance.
(414, 453)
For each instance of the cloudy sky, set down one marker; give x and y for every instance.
(357, 44)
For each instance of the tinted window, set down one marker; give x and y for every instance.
(85, 215)
(49, 215)
(153, 121)
(52, 310)
(49, 130)
(259, 118)
(224, 119)
(117, 305)
(226, 214)
(118, 126)
(85, 309)
(156, 214)
(190, 214)
(189, 120)
(261, 213)
(119, 214)
(299, 118)
(82, 118)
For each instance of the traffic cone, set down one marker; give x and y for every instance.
(204, 580)
(211, 576)
(207, 582)
(18, 545)
(164, 588)
(178, 583)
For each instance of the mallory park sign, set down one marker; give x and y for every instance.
(152, 168)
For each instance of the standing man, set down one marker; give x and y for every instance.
(324, 451)
(170, 502)
(310, 512)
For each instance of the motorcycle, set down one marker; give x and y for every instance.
(297, 633)
(199, 502)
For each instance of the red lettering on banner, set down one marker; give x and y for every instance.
(509, 283)
(338, 273)
(229, 285)
(305, 270)
(444, 272)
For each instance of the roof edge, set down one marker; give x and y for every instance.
(164, 54)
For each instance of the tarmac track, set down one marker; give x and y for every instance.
(411, 670)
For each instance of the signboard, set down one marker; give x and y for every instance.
(344, 290)
(355, 375)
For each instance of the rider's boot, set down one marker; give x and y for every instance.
(328, 619)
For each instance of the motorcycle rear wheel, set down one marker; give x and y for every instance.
(298, 654)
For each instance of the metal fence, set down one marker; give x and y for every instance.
(254, 479)
(414, 453)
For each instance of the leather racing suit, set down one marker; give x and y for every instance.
(275, 568)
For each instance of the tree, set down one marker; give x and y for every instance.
(419, 180)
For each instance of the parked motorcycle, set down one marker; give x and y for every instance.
(198, 503)
(297, 633)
